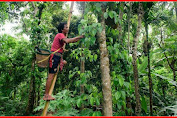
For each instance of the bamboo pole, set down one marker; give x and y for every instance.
(70, 14)
(68, 23)
(44, 113)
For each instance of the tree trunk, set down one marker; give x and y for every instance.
(128, 98)
(105, 70)
(129, 16)
(129, 106)
(150, 84)
(120, 24)
(135, 69)
(31, 97)
(149, 69)
(38, 93)
(173, 68)
(174, 75)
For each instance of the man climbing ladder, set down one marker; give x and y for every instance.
(58, 43)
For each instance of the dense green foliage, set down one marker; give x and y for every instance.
(39, 21)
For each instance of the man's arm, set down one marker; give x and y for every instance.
(72, 40)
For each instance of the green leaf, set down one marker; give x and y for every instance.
(143, 66)
(97, 113)
(92, 101)
(100, 29)
(84, 80)
(117, 95)
(119, 105)
(94, 25)
(82, 75)
(91, 58)
(105, 15)
(121, 80)
(97, 101)
(111, 14)
(78, 82)
(93, 32)
(124, 104)
(98, 7)
(115, 19)
(110, 39)
(144, 104)
(95, 57)
(127, 84)
(79, 102)
(83, 21)
(92, 40)
(123, 94)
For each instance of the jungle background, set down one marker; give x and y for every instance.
(125, 66)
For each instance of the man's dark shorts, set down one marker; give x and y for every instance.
(53, 63)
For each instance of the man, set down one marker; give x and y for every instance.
(58, 43)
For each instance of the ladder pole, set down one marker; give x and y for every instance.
(70, 14)
(69, 19)
(44, 113)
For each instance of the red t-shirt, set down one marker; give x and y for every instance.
(57, 43)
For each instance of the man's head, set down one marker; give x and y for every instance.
(63, 28)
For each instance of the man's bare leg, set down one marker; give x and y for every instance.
(47, 88)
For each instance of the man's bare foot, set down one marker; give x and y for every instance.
(64, 62)
(48, 97)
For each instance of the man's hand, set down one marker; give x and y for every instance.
(80, 37)
(72, 40)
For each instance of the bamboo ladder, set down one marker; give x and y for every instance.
(44, 113)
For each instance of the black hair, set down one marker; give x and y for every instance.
(61, 27)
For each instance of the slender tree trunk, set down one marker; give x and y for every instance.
(38, 93)
(150, 84)
(32, 92)
(120, 24)
(174, 75)
(128, 105)
(135, 69)
(149, 69)
(129, 16)
(31, 97)
(128, 98)
(173, 69)
(105, 70)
